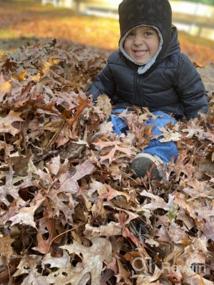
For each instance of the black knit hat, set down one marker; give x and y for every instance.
(156, 13)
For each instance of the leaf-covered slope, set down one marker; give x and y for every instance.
(71, 210)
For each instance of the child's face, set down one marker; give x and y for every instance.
(141, 44)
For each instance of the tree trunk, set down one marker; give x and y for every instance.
(77, 6)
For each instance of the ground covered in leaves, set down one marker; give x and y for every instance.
(71, 210)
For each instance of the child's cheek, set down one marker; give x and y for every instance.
(126, 45)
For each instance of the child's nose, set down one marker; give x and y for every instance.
(138, 39)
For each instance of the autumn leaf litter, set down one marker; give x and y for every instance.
(72, 212)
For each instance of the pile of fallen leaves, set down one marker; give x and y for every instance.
(71, 210)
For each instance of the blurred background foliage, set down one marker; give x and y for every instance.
(208, 2)
(23, 22)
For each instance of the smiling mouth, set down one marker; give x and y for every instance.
(140, 52)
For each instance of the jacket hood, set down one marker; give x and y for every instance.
(156, 13)
(173, 45)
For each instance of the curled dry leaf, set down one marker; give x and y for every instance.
(34, 278)
(6, 249)
(26, 214)
(5, 86)
(69, 181)
(92, 259)
(54, 165)
(27, 263)
(108, 230)
(113, 149)
(6, 123)
(56, 262)
(156, 202)
(104, 105)
(170, 135)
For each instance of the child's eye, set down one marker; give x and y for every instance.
(131, 34)
(149, 33)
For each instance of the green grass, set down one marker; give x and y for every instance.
(6, 34)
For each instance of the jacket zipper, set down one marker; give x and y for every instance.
(135, 88)
(138, 92)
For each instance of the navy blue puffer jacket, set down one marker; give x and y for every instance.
(171, 85)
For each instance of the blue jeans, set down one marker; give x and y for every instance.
(166, 151)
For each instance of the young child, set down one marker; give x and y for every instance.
(149, 70)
